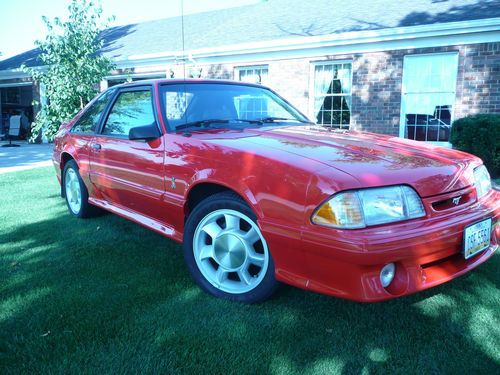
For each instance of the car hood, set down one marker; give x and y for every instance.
(372, 159)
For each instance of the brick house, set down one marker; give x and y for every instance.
(406, 68)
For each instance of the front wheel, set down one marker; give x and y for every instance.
(76, 192)
(225, 251)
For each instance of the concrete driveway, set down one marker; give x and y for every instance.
(27, 156)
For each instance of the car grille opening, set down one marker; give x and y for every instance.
(453, 202)
(437, 262)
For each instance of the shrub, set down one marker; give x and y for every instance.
(479, 135)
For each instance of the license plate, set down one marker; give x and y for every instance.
(476, 237)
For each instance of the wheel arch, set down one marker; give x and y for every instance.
(65, 158)
(205, 188)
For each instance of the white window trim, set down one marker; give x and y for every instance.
(402, 117)
(312, 94)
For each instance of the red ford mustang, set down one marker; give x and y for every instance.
(259, 195)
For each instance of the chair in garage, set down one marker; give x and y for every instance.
(14, 130)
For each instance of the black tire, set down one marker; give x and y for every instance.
(231, 201)
(86, 210)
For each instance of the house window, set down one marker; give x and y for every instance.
(428, 96)
(253, 74)
(332, 94)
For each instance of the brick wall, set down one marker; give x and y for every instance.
(290, 79)
(377, 80)
(478, 82)
(376, 92)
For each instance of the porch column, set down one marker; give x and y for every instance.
(103, 85)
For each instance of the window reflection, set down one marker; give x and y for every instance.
(428, 96)
(131, 109)
(89, 120)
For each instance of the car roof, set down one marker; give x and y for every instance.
(187, 81)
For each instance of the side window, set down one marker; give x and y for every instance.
(89, 120)
(131, 109)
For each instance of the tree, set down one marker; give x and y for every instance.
(72, 65)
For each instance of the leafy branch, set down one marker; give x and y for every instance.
(73, 66)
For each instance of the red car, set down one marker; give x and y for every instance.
(259, 195)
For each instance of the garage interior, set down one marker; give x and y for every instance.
(16, 100)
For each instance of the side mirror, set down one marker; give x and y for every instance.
(146, 132)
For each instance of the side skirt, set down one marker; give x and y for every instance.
(157, 226)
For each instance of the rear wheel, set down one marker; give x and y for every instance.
(225, 251)
(76, 192)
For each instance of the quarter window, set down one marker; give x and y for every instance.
(332, 94)
(131, 109)
(89, 120)
(253, 74)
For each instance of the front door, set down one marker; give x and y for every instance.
(129, 173)
(428, 97)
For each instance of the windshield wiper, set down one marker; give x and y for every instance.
(249, 121)
(260, 121)
(201, 123)
(206, 123)
(278, 119)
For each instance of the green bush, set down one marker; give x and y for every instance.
(479, 135)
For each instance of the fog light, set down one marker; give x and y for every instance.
(387, 274)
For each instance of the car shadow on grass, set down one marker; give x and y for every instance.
(109, 296)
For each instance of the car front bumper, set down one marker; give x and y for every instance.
(427, 252)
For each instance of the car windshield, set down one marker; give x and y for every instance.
(218, 105)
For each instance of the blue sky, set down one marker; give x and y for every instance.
(22, 22)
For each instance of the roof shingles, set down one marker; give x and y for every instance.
(276, 19)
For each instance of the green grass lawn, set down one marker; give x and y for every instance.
(105, 295)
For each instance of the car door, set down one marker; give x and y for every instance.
(129, 173)
(83, 132)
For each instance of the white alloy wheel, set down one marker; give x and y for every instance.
(230, 251)
(73, 191)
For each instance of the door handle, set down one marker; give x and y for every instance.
(96, 146)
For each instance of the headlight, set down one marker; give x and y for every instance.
(482, 181)
(361, 208)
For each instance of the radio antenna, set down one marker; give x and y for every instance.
(186, 133)
(183, 47)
